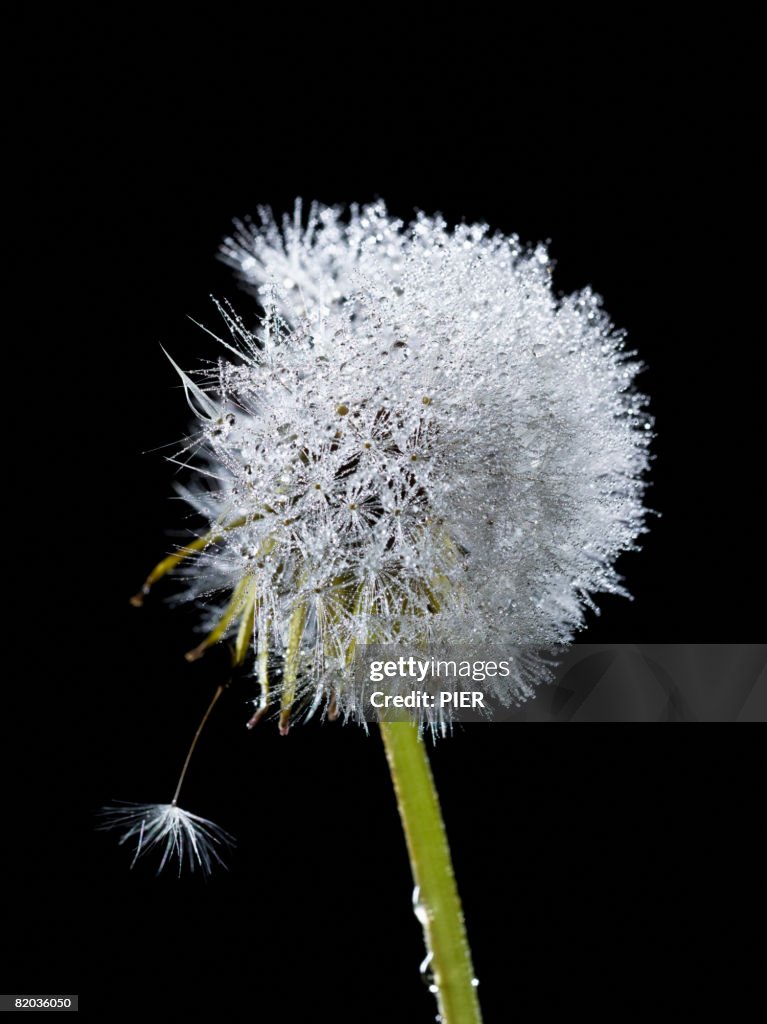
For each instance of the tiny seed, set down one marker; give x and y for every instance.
(342, 410)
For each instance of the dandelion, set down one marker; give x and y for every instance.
(191, 840)
(181, 836)
(418, 442)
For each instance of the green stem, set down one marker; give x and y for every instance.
(439, 905)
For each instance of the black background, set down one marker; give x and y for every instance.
(603, 870)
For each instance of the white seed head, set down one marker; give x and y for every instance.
(418, 442)
(186, 838)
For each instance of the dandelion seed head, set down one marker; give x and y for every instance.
(177, 836)
(419, 442)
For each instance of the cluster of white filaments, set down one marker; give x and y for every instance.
(417, 442)
(190, 841)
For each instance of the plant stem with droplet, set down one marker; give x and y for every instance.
(438, 900)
